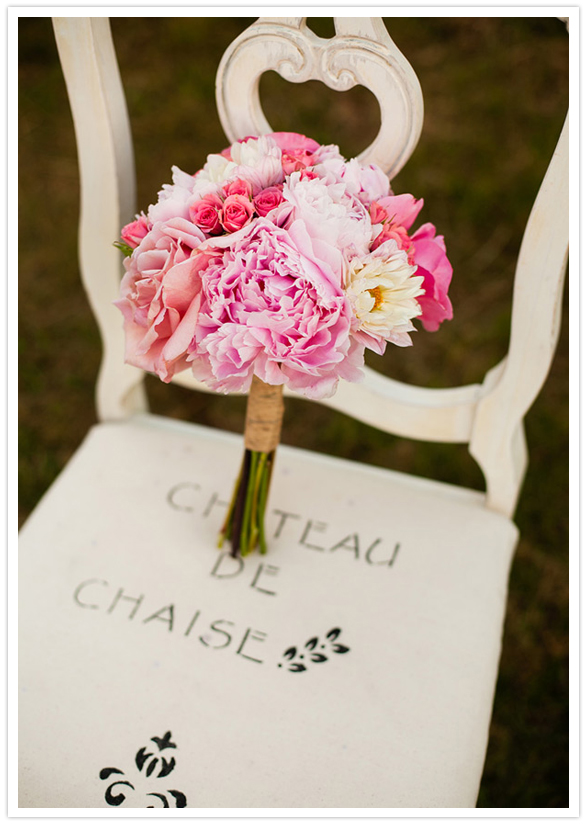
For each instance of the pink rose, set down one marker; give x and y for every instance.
(237, 212)
(160, 297)
(133, 233)
(271, 307)
(239, 186)
(268, 199)
(205, 213)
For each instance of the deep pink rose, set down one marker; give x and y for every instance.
(268, 199)
(205, 213)
(237, 212)
(238, 187)
(160, 297)
(395, 232)
(133, 233)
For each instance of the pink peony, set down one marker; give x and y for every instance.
(400, 209)
(237, 212)
(432, 262)
(271, 307)
(297, 151)
(206, 214)
(133, 233)
(425, 249)
(160, 297)
(268, 199)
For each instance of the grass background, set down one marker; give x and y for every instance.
(496, 93)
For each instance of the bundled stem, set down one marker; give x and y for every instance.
(244, 526)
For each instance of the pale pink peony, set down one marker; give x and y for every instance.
(272, 308)
(160, 297)
(268, 199)
(330, 214)
(206, 214)
(134, 232)
(368, 183)
(236, 213)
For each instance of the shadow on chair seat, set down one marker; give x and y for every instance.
(352, 666)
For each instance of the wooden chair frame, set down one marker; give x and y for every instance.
(487, 416)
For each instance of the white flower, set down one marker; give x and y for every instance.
(383, 289)
(217, 169)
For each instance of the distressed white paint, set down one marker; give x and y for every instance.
(489, 416)
(107, 176)
(401, 720)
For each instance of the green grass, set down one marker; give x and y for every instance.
(496, 94)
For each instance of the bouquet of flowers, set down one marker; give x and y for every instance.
(276, 265)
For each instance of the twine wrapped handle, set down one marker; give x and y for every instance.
(244, 525)
(264, 416)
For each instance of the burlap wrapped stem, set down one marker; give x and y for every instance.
(244, 524)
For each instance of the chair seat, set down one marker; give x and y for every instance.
(353, 666)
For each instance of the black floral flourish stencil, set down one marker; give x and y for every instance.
(149, 763)
(314, 651)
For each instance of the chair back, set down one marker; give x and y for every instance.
(486, 416)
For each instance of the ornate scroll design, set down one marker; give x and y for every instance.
(361, 53)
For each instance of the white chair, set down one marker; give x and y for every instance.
(352, 667)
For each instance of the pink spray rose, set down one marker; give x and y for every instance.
(160, 297)
(237, 212)
(206, 214)
(133, 233)
(268, 199)
(271, 308)
(238, 186)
